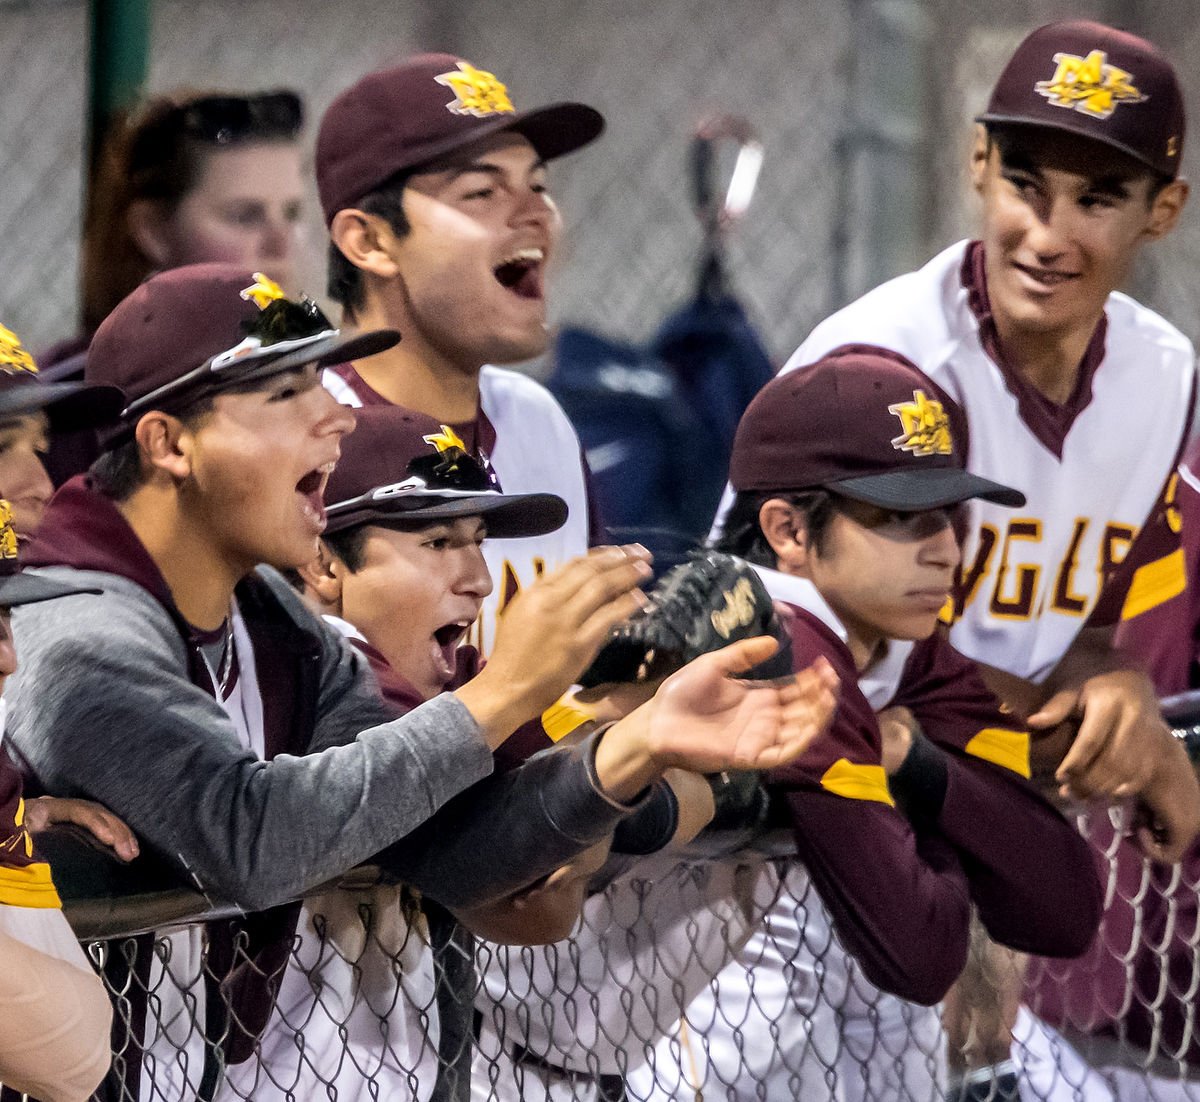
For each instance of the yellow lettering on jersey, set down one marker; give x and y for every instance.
(969, 579)
(28, 886)
(1155, 583)
(1171, 510)
(857, 782)
(1065, 598)
(510, 586)
(1018, 605)
(1008, 749)
(1118, 538)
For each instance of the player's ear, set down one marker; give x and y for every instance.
(322, 576)
(1166, 208)
(981, 148)
(364, 240)
(165, 443)
(785, 528)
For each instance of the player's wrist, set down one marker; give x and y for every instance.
(497, 704)
(624, 762)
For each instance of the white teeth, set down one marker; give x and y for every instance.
(534, 255)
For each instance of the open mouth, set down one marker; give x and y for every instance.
(521, 273)
(444, 643)
(312, 489)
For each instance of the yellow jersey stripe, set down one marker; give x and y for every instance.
(1155, 583)
(1008, 749)
(857, 782)
(28, 886)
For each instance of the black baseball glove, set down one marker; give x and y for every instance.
(702, 605)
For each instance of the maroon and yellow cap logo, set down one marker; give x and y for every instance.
(13, 357)
(1089, 85)
(476, 92)
(926, 426)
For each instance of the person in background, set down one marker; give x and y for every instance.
(187, 177)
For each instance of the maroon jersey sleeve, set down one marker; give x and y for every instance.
(1152, 573)
(1167, 637)
(900, 903)
(1031, 874)
(24, 877)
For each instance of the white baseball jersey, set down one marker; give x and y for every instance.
(1091, 470)
(533, 449)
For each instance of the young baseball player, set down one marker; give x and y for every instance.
(442, 226)
(1075, 394)
(28, 409)
(242, 741)
(902, 821)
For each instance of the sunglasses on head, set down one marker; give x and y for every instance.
(225, 120)
(454, 469)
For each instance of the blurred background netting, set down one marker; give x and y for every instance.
(864, 108)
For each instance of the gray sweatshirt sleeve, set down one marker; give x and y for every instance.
(101, 708)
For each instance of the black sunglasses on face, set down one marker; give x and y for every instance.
(225, 120)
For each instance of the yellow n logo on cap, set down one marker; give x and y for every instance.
(1089, 85)
(476, 92)
(926, 426)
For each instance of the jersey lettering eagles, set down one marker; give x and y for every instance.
(1097, 540)
(533, 449)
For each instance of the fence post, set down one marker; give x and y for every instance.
(118, 48)
(882, 227)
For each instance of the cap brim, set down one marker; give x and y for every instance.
(324, 353)
(912, 491)
(69, 406)
(29, 589)
(1080, 128)
(508, 516)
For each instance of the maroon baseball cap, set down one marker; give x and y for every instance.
(1098, 82)
(402, 466)
(68, 405)
(424, 108)
(196, 330)
(865, 424)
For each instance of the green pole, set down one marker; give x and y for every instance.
(119, 49)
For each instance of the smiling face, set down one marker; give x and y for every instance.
(23, 479)
(414, 593)
(257, 465)
(1063, 218)
(470, 282)
(244, 209)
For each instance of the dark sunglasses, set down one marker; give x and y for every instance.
(226, 120)
(454, 469)
(285, 320)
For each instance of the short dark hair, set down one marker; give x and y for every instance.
(118, 471)
(742, 534)
(349, 544)
(345, 284)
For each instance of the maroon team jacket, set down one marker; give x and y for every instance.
(900, 894)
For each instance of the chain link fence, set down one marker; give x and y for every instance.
(711, 973)
(856, 102)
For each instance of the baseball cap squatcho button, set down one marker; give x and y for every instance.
(423, 109)
(1098, 82)
(398, 465)
(195, 330)
(864, 424)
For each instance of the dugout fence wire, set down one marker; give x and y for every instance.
(706, 975)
